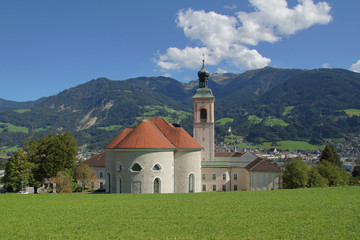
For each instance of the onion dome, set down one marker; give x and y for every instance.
(203, 73)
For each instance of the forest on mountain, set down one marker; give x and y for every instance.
(262, 105)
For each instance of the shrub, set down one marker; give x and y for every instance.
(76, 187)
(315, 179)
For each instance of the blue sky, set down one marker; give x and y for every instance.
(49, 46)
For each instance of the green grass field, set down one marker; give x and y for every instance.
(327, 213)
(271, 121)
(166, 112)
(254, 119)
(352, 112)
(111, 128)
(5, 149)
(22, 110)
(287, 110)
(12, 128)
(223, 121)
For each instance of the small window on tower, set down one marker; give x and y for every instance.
(203, 115)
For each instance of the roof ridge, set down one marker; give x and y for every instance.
(259, 161)
(163, 133)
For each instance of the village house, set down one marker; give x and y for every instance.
(97, 163)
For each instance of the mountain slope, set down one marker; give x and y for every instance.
(11, 105)
(312, 105)
(267, 104)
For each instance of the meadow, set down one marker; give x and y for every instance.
(324, 213)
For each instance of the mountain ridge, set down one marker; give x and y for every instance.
(305, 105)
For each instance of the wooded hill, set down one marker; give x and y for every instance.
(267, 104)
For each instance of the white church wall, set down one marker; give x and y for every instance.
(124, 179)
(186, 163)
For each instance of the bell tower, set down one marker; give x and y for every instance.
(204, 122)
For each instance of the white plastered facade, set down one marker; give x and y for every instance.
(176, 169)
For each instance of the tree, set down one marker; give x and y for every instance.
(84, 174)
(295, 174)
(329, 154)
(315, 179)
(336, 176)
(17, 171)
(51, 154)
(356, 171)
(63, 182)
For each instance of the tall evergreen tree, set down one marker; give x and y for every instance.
(329, 154)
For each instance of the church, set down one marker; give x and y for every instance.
(160, 157)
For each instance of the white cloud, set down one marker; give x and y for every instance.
(326, 65)
(221, 70)
(167, 75)
(226, 38)
(356, 67)
(230, 7)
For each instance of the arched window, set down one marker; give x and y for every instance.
(191, 182)
(136, 168)
(157, 185)
(119, 190)
(203, 115)
(108, 183)
(156, 168)
(119, 167)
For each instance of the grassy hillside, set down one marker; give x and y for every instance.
(328, 213)
(263, 105)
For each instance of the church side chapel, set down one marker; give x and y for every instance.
(154, 157)
(159, 157)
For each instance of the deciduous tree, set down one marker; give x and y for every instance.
(63, 182)
(51, 154)
(336, 176)
(315, 178)
(84, 174)
(295, 174)
(17, 170)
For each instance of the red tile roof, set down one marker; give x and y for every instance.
(153, 133)
(119, 138)
(262, 165)
(96, 161)
(177, 135)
